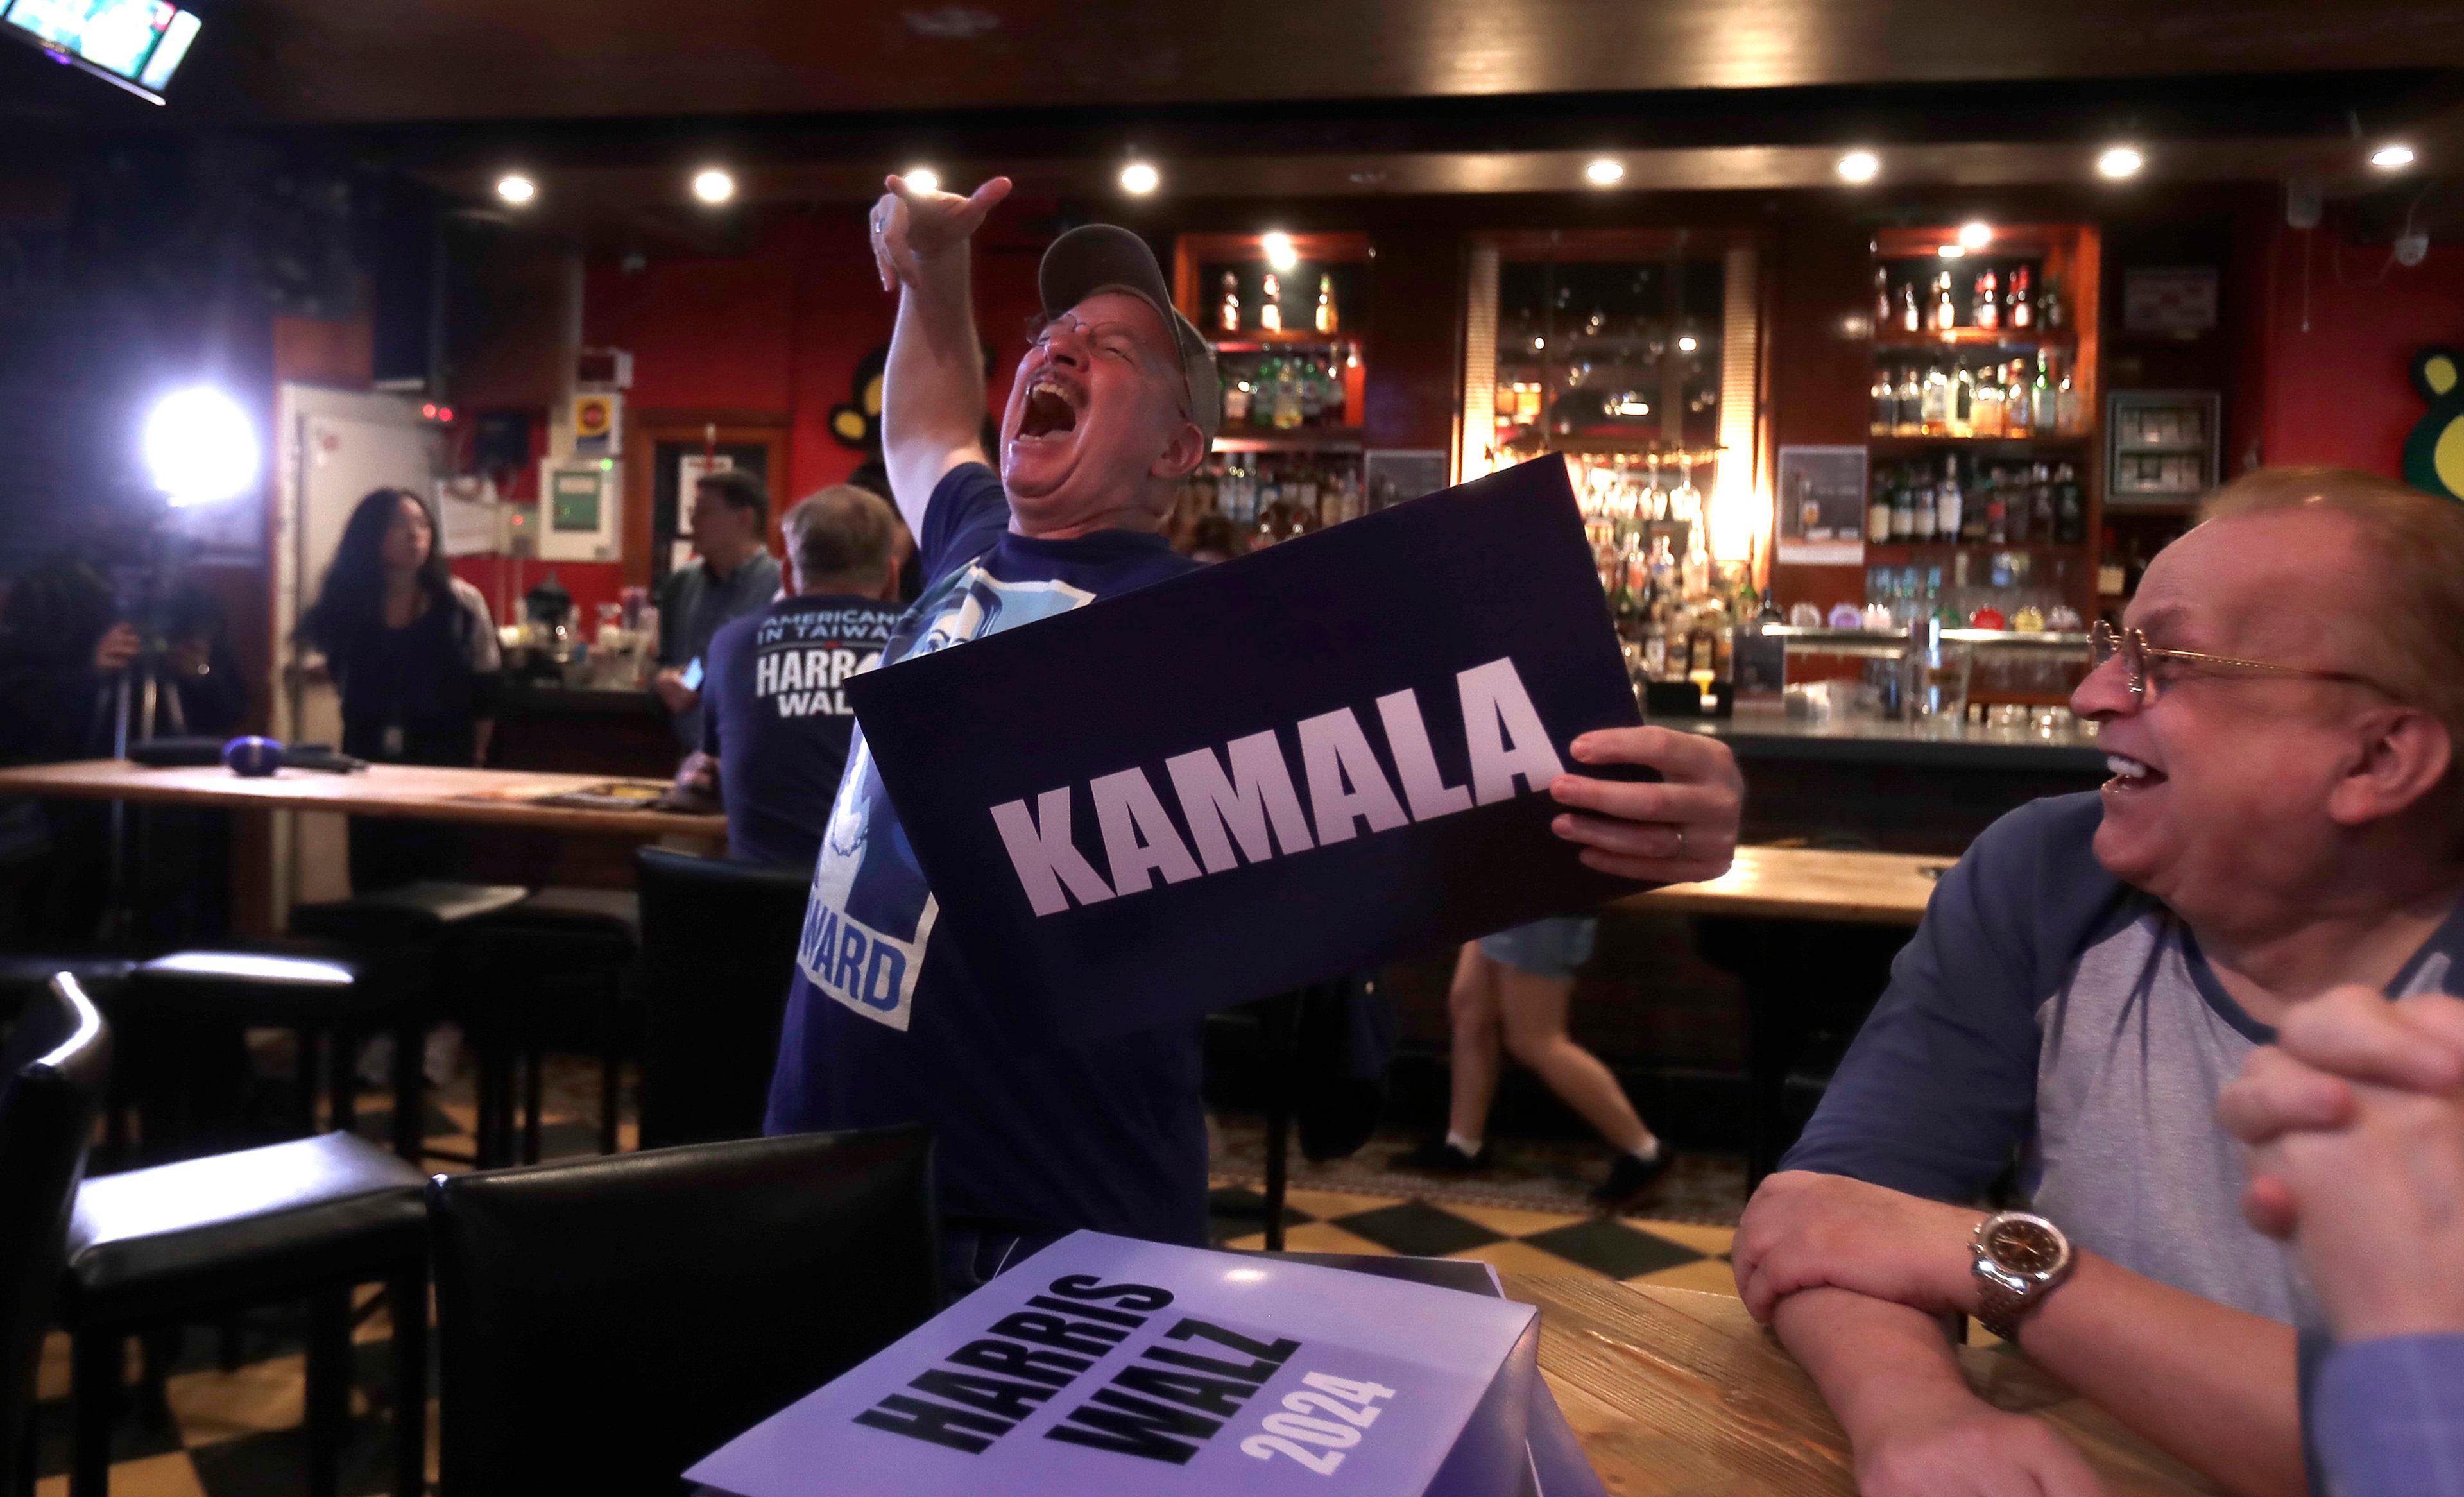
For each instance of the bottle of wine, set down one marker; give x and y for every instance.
(1988, 300)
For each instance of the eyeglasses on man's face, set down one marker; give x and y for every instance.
(1112, 340)
(2149, 668)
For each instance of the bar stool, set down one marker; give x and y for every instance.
(336, 995)
(554, 970)
(719, 951)
(308, 1219)
(52, 1074)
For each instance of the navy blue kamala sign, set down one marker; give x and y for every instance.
(1303, 761)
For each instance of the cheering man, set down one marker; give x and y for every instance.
(1115, 400)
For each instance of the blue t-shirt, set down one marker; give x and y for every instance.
(888, 1024)
(774, 711)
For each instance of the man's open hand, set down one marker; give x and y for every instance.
(910, 226)
(1804, 1231)
(1679, 830)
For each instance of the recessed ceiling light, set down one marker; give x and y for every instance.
(2392, 157)
(2119, 162)
(712, 186)
(1280, 252)
(1139, 178)
(1951, 251)
(1687, 344)
(516, 188)
(1860, 166)
(1604, 172)
(1976, 233)
(922, 178)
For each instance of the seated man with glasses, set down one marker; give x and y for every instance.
(2280, 717)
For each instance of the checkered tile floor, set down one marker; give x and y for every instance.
(235, 1431)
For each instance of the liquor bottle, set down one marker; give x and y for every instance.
(1878, 511)
(2047, 516)
(1962, 401)
(2023, 315)
(1288, 395)
(2040, 395)
(1356, 379)
(1312, 393)
(2014, 399)
(1971, 518)
(2018, 515)
(1986, 418)
(1937, 401)
(1326, 314)
(1924, 514)
(1997, 512)
(1989, 302)
(2070, 507)
(2052, 309)
(1947, 502)
(1885, 414)
(1946, 315)
(1270, 306)
(1903, 511)
(1231, 316)
(1909, 418)
(1333, 399)
(2070, 406)
(1236, 404)
(2022, 399)
(1909, 322)
(1881, 297)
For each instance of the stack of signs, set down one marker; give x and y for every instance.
(1105, 1364)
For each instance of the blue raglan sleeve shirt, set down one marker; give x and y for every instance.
(1938, 1089)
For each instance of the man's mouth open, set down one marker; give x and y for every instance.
(2131, 775)
(1051, 409)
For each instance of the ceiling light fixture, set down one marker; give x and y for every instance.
(2392, 157)
(712, 186)
(1951, 251)
(1139, 178)
(516, 188)
(1280, 252)
(922, 178)
(1860, 166)
(2119, 162)
(1686, 343)
(1605, 172)
(1975, 234)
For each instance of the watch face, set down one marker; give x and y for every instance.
(2025, 1247)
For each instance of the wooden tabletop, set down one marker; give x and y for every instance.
(1676, 1393)
(412, 792)
(1807, 884)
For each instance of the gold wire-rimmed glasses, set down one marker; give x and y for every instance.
(2105, 642)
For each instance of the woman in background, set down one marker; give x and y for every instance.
(413, 652)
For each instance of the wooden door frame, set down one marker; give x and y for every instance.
(646, 429)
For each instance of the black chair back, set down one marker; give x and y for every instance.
(718, 950)
(607, 1322)
(52, 1075)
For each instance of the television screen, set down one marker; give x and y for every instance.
(136, 43)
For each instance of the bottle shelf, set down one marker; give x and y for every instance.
(1910, 444)
(1258, 341)
(1300, 439)
(1892, 553)
(1974, 337)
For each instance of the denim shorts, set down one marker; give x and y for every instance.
(1551, 948)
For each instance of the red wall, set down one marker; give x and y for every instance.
(777, 330)
(2339, 392)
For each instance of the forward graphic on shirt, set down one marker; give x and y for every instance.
(871, 914)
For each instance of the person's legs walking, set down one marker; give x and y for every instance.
(1533, 1016)
(1471, 1009)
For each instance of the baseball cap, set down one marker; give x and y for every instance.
(1095, 258)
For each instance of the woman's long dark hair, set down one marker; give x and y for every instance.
(352, 601)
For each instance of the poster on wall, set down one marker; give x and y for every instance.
(2169, 301)
(1822, 506)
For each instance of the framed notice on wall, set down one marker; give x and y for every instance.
(1822, 505)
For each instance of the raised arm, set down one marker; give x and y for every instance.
(932, 386)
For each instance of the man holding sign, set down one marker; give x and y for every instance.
(1116, 401)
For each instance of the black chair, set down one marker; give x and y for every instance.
(329, 996)
(52, 1069)
(308, 1220)
(718, 950)
(605, 1323)
(553, 972)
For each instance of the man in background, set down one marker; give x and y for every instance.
(775, 719)
(732, 574)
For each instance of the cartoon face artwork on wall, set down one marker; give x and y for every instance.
(857, 424)
(2433, 455)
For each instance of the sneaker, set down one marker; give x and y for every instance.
(1441, 1157)
(1630, 1180)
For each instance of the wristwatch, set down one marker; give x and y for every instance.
(2020, 1259)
